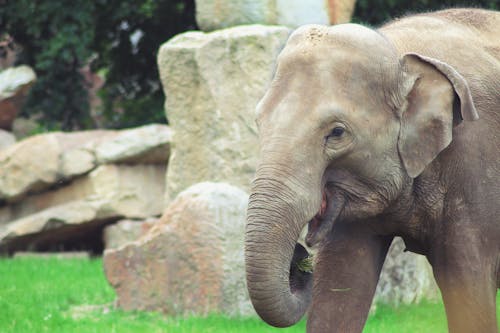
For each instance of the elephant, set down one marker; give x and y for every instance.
(366, 134)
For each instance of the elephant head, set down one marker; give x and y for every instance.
(346, 125)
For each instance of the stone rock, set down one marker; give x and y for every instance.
(76, 212)
(340, 11)
(28, 165)
(24, 127)
(213, 82)
(191, 261)
(34, 163)
(14, 86)
(108, 193)
(134, 191)
(146, 144)
(125, 231)
(45, 160)
(406, 277)
(7, 139)
(219, 14)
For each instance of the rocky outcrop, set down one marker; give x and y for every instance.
(59, 186)
(406, 277)
(191, 262)
(108, 193)
(15, 83)
(128, 190)
(42, 161)
(220, 14)
(213, 82)
(146, 144)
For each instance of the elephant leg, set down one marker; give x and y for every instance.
(345, 277)
(467, 280)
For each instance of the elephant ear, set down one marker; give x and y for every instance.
(433, 90)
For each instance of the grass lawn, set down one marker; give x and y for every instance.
(51, 295)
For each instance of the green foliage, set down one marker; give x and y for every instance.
(132, 94)
(58, 38)
(377, 12)
(55, 42)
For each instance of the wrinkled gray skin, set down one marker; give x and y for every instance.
(367, 134)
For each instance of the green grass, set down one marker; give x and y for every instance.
(50, 295)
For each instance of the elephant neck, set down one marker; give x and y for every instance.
(417, 210)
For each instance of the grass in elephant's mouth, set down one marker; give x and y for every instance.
(306, 265)
(48, 295)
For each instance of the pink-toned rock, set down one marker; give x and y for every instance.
(126, 231)
(191, 261)
(15, 83)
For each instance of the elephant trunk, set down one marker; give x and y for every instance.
(277, 212)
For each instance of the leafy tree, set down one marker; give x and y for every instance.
(128, 35)
(377, 12)
(58, 38)
(55, 42)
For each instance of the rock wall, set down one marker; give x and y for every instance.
(56, 187)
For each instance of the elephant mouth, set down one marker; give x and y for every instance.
(301, 269)
(321, 224)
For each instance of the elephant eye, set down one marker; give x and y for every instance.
(337, 132)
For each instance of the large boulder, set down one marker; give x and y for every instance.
(7, 139)
(107, 194)
(340, 11)
(126, 231)
(43, 161)
(220, 14)
(213, 81)
(15, 83)
(192, 261)
(406, 277)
